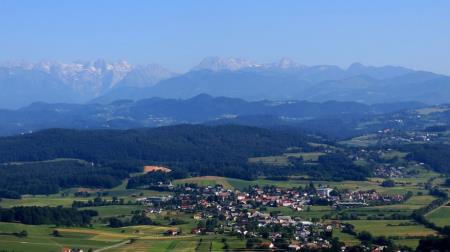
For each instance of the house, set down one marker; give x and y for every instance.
(324, 192)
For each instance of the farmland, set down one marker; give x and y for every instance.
(389, 213)
(40, 239)
(150, 237)
(402, 232)
(283, 160)
(207, 181)
(440, 216)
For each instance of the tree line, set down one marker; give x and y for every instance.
(35, 215)
(50, 177)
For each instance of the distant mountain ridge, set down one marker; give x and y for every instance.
(154, 112)
(103, 82)
(288, 80)
(22, 83)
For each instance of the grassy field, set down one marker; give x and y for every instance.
(430, 110)
(283, 160)
(39, 238)
(345, 238)
(403, 232)
(182, 243)
(206, 181)
(114, 210)
(399, 230)
(42, 200)
(361, 141)
(68, 198)
(159, 245)
(313, 212)
(393, 154)
(150, 238)
(351, 185)
(165, 217)
(147, 238)
(440, 216)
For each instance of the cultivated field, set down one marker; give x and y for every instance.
(206, 181)
(39, 238)
(151, 238)
(440, 216)
(283, 160)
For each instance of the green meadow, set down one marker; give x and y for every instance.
(40, 239)
(440, 216)
(151, 238)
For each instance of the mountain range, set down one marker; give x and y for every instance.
(22, 83)
(105, 82)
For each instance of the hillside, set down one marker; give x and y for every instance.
(175, 143)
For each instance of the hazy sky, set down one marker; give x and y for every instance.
(178, 34)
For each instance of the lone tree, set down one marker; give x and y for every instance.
(56, 233)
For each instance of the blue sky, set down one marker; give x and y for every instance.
(178, 34)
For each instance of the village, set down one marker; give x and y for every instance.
(246, 213)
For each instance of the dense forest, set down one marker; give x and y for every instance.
(166, 144)
(59, 216)
(113, 154)
(49, 177)
(336, 166)
(189, 150)
(437, 156)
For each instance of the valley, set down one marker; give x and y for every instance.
(301, 189)
(224, 126)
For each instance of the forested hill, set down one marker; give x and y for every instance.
(188, 150)
(176, 144)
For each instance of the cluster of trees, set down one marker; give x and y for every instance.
(49, 177)
(59, 216)
(21, 234)
(335, 166)
(98, 201)
(149, 179)
(434, 244)
(9, 194)
(136, 219)
(388, 183)
(419, 214)
(208, 225)
(368, 240)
